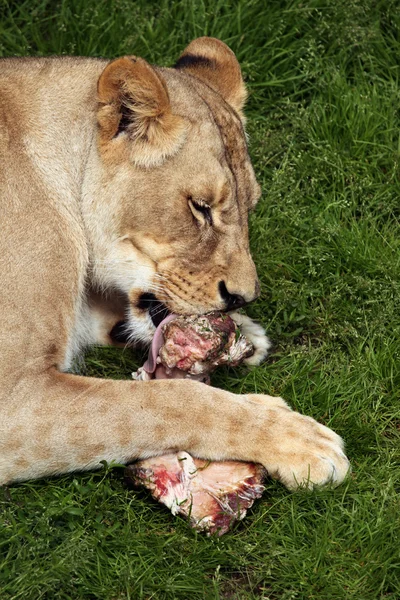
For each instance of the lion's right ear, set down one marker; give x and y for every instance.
(213, 62)
(134, 102)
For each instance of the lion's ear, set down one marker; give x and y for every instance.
(214, 63)
(134, 101)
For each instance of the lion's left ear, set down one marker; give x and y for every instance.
(133, 100)
(213, 62)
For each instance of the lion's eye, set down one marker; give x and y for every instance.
(201, 210)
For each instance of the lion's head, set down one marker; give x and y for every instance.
(168, 215)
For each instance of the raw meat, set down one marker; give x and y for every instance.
(193, 346)
(212, 495)
(198, 345)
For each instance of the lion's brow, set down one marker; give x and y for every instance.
(236, 153)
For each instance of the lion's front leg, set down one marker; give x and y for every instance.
(73, 423)
(255, 333)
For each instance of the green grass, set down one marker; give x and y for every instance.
(325, 140)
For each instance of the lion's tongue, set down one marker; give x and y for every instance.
(151, 363)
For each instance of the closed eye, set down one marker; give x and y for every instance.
(201, 210)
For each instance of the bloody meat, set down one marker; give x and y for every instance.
(211, 495)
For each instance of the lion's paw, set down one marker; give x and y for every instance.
(255, 333)
(304, 453)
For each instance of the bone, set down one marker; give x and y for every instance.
(211, 495)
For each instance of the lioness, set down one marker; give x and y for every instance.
(125, 191)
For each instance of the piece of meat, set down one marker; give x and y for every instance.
(193, 346)
(199, 344)
(212, 495)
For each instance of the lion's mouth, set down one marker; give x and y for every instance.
(156, 309)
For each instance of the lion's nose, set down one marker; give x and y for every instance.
(232, 301)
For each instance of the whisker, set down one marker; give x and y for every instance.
(159, 311)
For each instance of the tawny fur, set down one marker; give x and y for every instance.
(92, 215)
